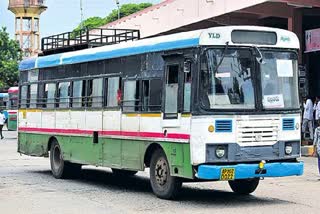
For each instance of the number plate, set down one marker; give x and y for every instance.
(227, 174)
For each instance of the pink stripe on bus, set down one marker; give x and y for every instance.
(114, 133)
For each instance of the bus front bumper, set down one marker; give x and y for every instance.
(246, 171)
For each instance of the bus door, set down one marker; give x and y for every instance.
(172, 94)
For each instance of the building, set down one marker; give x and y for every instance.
(27, 19)
(299, 16)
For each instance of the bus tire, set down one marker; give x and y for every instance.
(123, 172)
(61, 169)
(163, 184)
(244, 186)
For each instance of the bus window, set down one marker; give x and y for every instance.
(89, 93)
(63, 95)
(187, 87)
(113, 86)
(77, 94)
(33, 95)
(24, 96)
(171, 101)
(131, 96)
(50, 91)
(97, 89)
(151, 95)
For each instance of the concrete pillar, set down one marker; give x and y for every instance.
(295, 25)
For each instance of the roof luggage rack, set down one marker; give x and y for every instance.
(86, 38)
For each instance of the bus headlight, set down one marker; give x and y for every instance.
(288, 150)
(220, 152)
(297, 126)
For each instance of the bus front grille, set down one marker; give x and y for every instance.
(260, 131)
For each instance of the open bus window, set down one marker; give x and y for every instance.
(131, 96)
(113, 87)
(77, 94)
(96, 95)
(63, 98)
(33, 95)
(151, 95)
(89, 95)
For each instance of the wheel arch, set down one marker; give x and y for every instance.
(50, 141)
(149, 151)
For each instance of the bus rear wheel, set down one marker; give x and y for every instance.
(244, 186)
(62, 169)
(123, 172)
(163, 184)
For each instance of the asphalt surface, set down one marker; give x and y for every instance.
(27, 186)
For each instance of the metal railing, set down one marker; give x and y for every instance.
(86, 38)
(26, 3)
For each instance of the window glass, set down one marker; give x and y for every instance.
(227, 79)
(131, 96)
(187, 92)
(64, 94)
(33, 95)
(97, 92)
(77, 94)
(51, 92)
(24, 96)
(171, 103)
(113, 85)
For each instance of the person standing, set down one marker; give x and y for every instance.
(2, 121)
(317, 112)
(316, 143)
(308, 118)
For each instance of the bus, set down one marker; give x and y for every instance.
(217, 104)
(4, 98)
(13, 93)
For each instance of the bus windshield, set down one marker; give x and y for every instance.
(226, 79)
(279, 80)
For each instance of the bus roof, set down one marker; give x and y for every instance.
(13, 90)
(284, 39)
(4, 95)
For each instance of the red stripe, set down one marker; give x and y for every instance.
(12, 112)
(114, 133)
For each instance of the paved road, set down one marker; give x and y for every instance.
(26, 186)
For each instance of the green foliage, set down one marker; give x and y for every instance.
(125, 10)
(10, 55)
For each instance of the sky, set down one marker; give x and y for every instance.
(64, 15)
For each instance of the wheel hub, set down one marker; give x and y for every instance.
(161, 172)
(57, 157)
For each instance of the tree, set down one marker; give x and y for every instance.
(10, 55)
(125, 10)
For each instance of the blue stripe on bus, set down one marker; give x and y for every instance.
(27, 64)
(131, 51)
(49, 61)
(55, 60)
(246, 171)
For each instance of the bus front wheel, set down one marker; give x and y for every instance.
(163, 184)
(61, 169)
(244, 186)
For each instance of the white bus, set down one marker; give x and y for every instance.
(218, 104)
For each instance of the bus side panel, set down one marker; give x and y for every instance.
(33, 144)
(131, 155)
(81, 149)
(111, 152)
(178, 155)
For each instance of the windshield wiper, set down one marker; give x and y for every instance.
(260, 57)
(222, 57)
